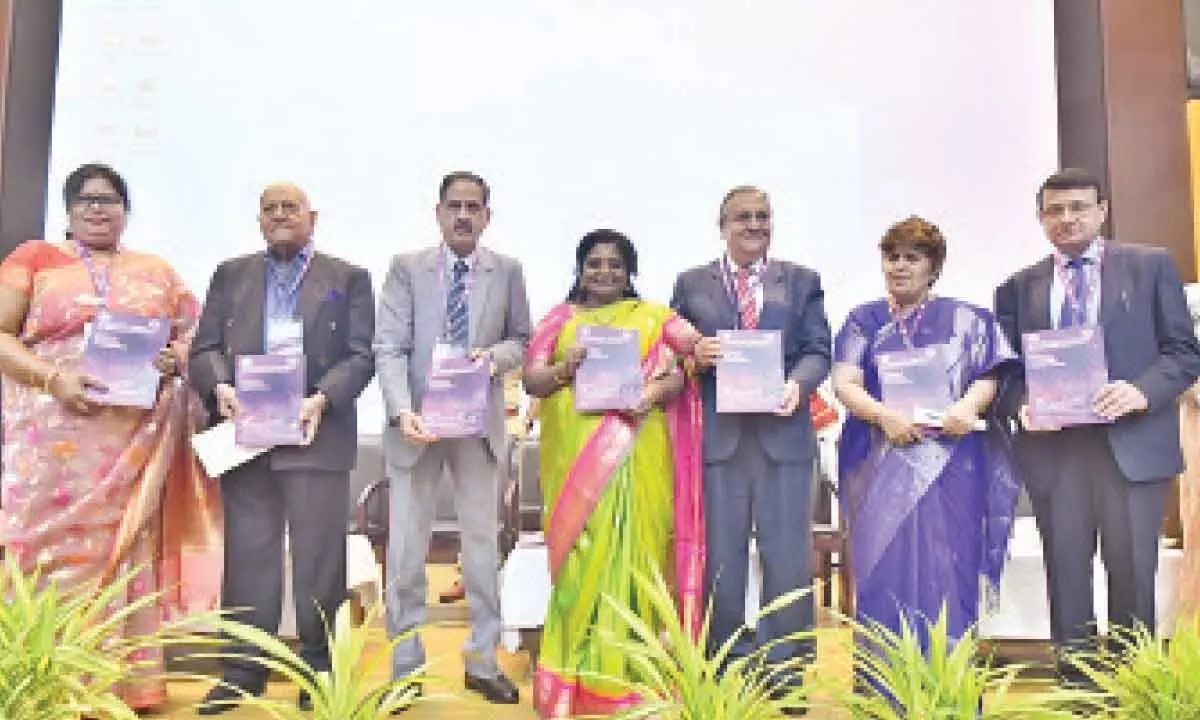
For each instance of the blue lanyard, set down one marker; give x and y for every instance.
(99, 278)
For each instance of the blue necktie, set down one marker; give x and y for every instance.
(456, 307)
(1076, 313)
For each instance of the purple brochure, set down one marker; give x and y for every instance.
(750, 371)
(610, 377)
(456, 398)
(912, 380)
(1064, 369)
(120, 353)
(270, 389)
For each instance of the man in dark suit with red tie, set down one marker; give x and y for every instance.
(1106, 480)
(758, 467)
(289, 298)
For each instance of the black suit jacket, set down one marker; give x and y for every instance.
(794, 303)
(337, 307)
(1148, 341)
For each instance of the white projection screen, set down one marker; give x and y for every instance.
(628, 114)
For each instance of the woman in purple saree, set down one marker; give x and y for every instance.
(929, 511)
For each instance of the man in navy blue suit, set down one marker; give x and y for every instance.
(758, 467)
(1110, 481)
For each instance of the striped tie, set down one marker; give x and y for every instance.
(1074, 309)
(747, 307)
(456, 307)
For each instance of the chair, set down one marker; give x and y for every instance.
(831, 541)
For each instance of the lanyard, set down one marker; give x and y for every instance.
(1090, 280)
(289, 293)
(753, 281)
(99, 277)
(907, 329)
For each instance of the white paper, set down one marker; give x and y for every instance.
(218, 450)
(937, 419)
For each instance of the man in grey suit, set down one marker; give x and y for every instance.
(1107, 479)
(758, 468)
(290, 298)
(455, 297)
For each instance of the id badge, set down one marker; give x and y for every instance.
(446, 351)
(285, 336)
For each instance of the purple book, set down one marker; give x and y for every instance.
(1064, 369)
(610, 377)
(456, 399)
(750, 371)
(120, 353)
(914, 380)
(270, 389)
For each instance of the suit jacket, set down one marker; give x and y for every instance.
(337, 307)
(1148, 341)
(793, 302)
(412, 316)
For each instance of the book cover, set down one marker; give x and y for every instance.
(610, 377)
(1064, 369)
(120, 353)
(270, 389)
(455, 403)
(749, 371)
(914, 382)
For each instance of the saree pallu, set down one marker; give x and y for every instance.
(929, 522)
(86, 498)
(622, 497)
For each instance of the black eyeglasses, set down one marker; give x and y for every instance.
(100, 199)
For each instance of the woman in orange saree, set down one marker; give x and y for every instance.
(622, 489)
(91, 492)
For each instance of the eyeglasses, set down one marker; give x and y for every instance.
(1078, 207)
(287, 207)
(98, 199)
(457, 206)
(745, 217)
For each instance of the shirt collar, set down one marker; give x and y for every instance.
(450, 257)
(755, 268)
(298, 259)
(1091, 255)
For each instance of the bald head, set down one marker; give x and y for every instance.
(285, 218)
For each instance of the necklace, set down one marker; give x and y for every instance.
(906, 324)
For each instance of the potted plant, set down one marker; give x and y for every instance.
(898, 679)
(62, 653)
(345, 691)
(1146, 677)
(674, 676)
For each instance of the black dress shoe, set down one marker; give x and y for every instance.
(221, 699)
(304, 702)
(499, 690)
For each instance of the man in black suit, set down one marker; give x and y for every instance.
(758, 467)
(289, 298)
(1107, 480)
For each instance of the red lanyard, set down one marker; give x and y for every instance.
(907, 329)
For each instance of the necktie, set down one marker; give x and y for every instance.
(747, 307)
(456, 306)
(1074, 309)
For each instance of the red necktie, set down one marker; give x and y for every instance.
(747, 307)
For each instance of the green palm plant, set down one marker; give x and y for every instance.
(676, 679)
(344, 692)
(900, 680)
(1145, 677)
(62, 653)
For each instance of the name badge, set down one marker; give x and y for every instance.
(285, 336)
(446, 351)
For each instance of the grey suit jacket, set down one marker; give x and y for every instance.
(1148, 340)
(337, 307)
(793, 302)
(412, 310)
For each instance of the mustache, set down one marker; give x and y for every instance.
(462, 225)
